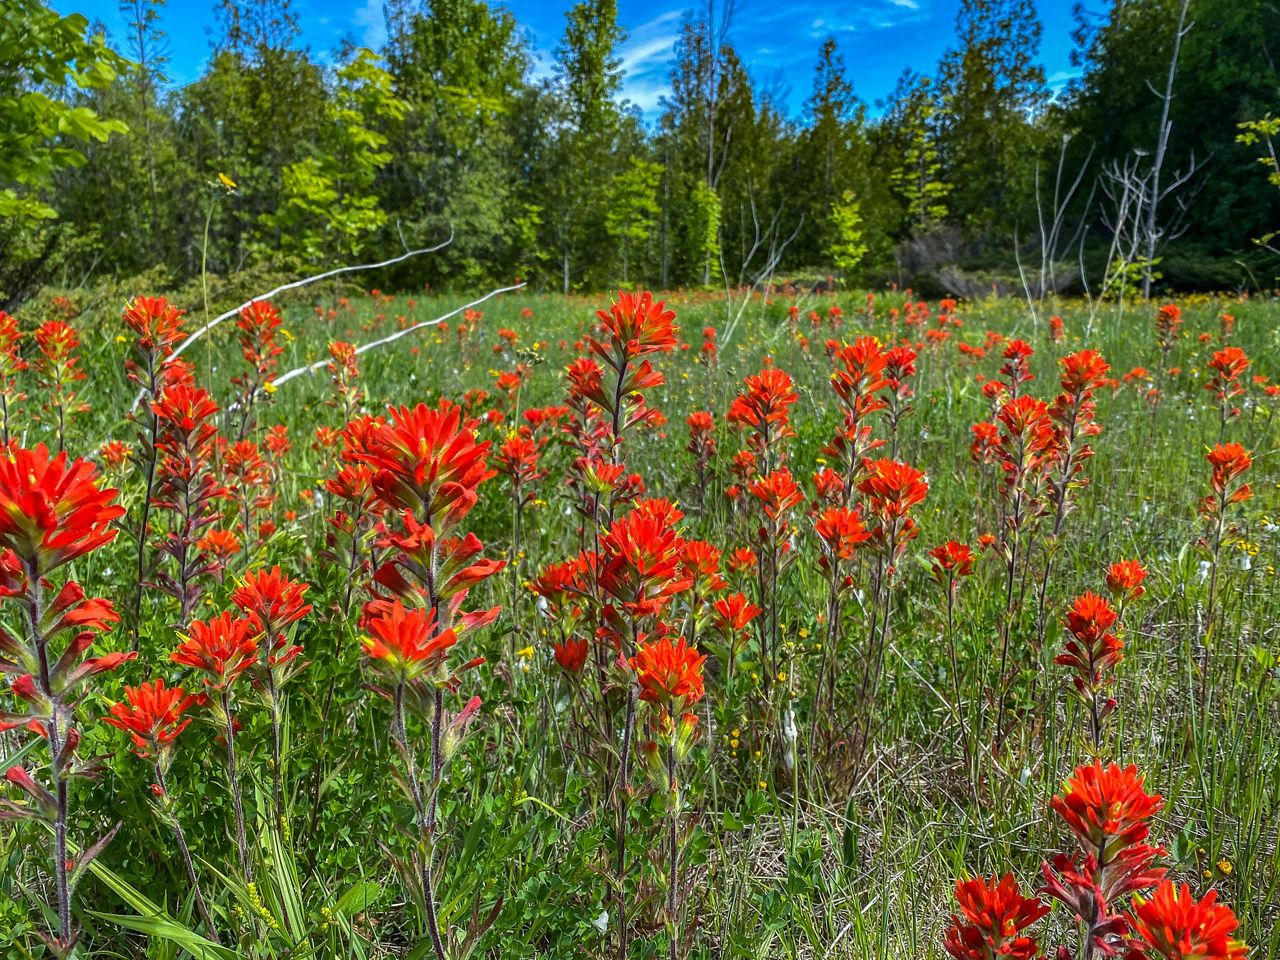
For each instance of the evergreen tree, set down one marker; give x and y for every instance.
(992, 90)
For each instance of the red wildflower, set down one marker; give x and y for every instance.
(1174, 926)
(50, 511)
(840, 530)
(1092, 652)
(115, 454)
(221, 648)
(1016, 355)
(1106, 808)
(184, 411)
(1229, 461)
(571, 654)
(517, 460)
(407, 641)
(271, 600)
(1168, 323)
(11, 362)
(858, 376)
(950, 560)
(764, 405)
(277, 440)
(893, 488)
(995, 914)
(427, 460)
(702, 442)
(640, 563)
(734, 612)
(152, 716)
(669, 674)
(220, 545)
(986, 439)
(156, 323)
(638, 325)
(1083, 370)
(1124, 579)
(777, 493)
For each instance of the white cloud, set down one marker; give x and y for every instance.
(650, 44)
(645, 59)
(370, 25)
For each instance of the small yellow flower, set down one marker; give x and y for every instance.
(734, 743)
(226, 181)
(270, 387)
(804, 633)
(762, 785)
(526, 653)
(1225, 867)
(782, 678)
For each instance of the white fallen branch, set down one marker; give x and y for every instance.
(391, 338)
(196, 335)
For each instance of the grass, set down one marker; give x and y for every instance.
(834, 858)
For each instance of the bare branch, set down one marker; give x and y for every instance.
(293, 286)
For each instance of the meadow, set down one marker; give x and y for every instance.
(839, 625)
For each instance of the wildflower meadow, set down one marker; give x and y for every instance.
(850, 625)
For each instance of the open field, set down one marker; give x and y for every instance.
(887, 721)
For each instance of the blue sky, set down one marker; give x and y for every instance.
(779, 41)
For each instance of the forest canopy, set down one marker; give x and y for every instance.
(1151, 170)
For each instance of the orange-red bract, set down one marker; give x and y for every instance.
(571, 654)
(1173, 925)
(1124, 579)
(1107, 808)
(951, 559)
(840, 530)
(893, 488)
(427, 460)
(152, 715)
(407, 641)
(1229, 461)
(52, 511)
(995, 914)
(669, 674)
(222, 648)
(155, 322)
(734, 612)
(765, 403)
(637, 324)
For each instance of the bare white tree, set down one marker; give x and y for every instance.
(1139, 188)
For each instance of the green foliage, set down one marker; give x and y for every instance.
(632, 206)
(919, 178)
(848, 249)
(447, 129)
(45, 53)
(991, 88)
(329, 209)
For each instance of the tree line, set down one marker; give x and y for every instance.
(1146, 171)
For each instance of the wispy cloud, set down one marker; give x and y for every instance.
(645, 59)
(370, 25)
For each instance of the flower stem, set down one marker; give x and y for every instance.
(242, 843)
(181, 837)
